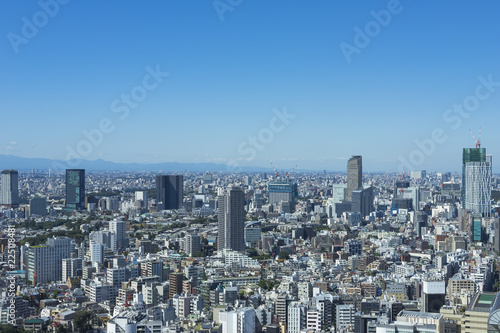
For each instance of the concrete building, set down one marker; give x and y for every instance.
(231, 220)
(354, 175)
(238, 321)
(297, 317)
(476, 181)
(46, 261)
(9, 195)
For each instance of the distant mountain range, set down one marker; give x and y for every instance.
(23, 163)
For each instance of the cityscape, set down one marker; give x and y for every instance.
(230, 166)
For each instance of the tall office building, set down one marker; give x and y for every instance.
(75, 189)
(297, 317)
(419, 222)
(354, 175)
(142, 197)
(71, 267)
(231, 220)
(119, 237)
(282, 192)
(38, 206)
(362, 201)
(97, 254)
(476, 181)
(10, 191)
(45, 262)
(193, 244)
(169, 192)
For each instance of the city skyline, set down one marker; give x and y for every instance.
(220, 88)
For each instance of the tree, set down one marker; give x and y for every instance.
(83, 320)
(284, 255)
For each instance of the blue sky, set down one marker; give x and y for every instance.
(228, 78)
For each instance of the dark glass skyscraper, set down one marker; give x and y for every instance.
(169, 191)
(75, 189)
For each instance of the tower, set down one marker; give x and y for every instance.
(169, 191)
(75, 189)
(10, 190)
(476, 181)
(354, 175)
(231, 220)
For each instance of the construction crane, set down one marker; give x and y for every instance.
(275, 171)
(287, 175)
(124, 256)
(478, 141)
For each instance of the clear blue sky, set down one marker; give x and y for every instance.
(227, 76)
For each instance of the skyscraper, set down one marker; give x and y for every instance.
(10, 191)
(119, 239)
(476, 181)
(169, 191)
(231, 216)
(362, 201)
(354, 175)
(75, 189)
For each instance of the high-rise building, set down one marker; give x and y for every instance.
(231, 220)
(175, 284)
(239, 321)
(10, 190)
(345, 317)
(354, 175)
(362, 201)
(339, 192)
(142, 197)
(476, 181)
(282, 192)
(75, 189)
(96, 253)
(419, 222)
(193, 244)
(118, 229)
(45, 262)
(297, 317)
(38, 206)
(169, 191)
(71, 267)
